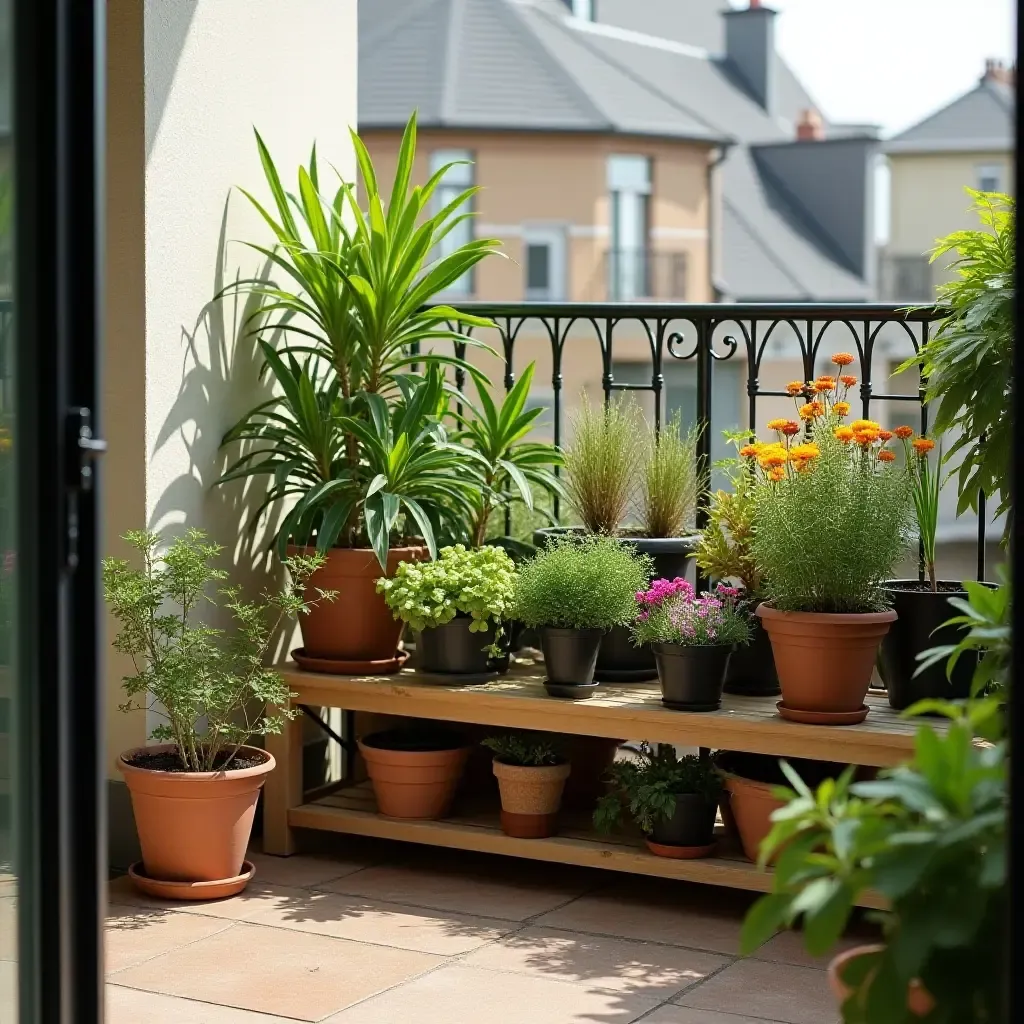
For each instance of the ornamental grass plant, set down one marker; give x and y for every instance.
(668, 481)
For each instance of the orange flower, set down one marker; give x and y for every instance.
(772, 455)
(923, 445)
(842, 359)
(886, 456)
(790, 427)
(804, 452)
(795, 387)
(776, 474)
(904, 432)
(860, 425)
(841, 408)
(848, 380)
(823, 384)
(844, 434)
(866, 438)
(811, 410)
(750, 451)
(885, 435)
(777, 424)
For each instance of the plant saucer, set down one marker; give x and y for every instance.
(570, 691)
(215, 890)
(337, 667)
(823, 717)
(674, 706)
(680, 852)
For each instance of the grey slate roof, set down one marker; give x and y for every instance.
(980, 120)
(519, 65)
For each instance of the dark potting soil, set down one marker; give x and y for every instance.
(924, 587)
(168, 761)
(765, 768)
(418, 741)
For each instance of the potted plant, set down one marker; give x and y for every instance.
(414, 771)
(574, 590)
(457, 604)
(531, 776)
(194, 793)
(616, 466)
(692, 637)
(832, 517)
(353, 437)
(674, 800)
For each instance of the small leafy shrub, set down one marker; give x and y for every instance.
(668, 482)
(478, 583)
(672, 613)
(648, 786)
(190, 672)
(581, 582)
(533, 751)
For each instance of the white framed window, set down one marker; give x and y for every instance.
(629, 186)
(457, 179)
(988, 177)
(544, 263)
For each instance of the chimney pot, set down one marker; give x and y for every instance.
(755, 3)
(997, 71)
(810, 127)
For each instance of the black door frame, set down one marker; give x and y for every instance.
(59, 136)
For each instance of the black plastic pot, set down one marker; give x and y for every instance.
(920, 613)
(751, 670)
(452, 649)
(691, 677)
(692, 824)
(570, 655)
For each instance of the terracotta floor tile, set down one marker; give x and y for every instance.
(462, 995)
(388, 924)
(299, 871)
(778, 992)
(788, 948)
(597, 963)
(137, 934)
(133, 1006)
(687, 1015)
(8, 927)
(277, 971)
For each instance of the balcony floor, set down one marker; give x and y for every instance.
(368, 932)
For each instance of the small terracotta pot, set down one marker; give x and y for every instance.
(751, 805)
(825, 660)
(194, 826)
(357, 626)
(412, 783)
(530, 798)
(920, 1002)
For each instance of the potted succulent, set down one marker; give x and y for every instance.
(457, 604)
(832, 517)
(692, 637)
(352, 436)
(616, 466)
(574, 590)
(531, 776)
(194, 792)
(674, 800)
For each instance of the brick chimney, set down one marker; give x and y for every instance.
(750, 48)
(810, 127)
(997, 71)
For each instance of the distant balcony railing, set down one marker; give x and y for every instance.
(631, 274)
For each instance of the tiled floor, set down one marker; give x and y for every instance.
(374, 933)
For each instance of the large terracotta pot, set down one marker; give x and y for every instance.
(919, 1000)
(194, 826)
(530, 798)
(751, 805)
(825, 660)
(357, 626)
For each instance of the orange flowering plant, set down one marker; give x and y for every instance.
(832, 502)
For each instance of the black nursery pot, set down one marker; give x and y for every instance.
(920, 612)
(692, 823)
(570, 655)
(691, 676)
(751, 670)
(452, 649)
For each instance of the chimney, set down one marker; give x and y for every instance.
(810, 127)
(997, 71)
(750, 49)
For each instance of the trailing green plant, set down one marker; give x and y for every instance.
(968, 364)
(930, 837)
(649, 784)
(478, 584)
(601, 462)
(581, 582)
(669, 480)
(191, 673)
(535, 750)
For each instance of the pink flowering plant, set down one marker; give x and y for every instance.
(672, 612)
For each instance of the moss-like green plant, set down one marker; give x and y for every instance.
(533, 751)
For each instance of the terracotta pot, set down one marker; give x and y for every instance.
(194, 826)
(919, 1000)
(414, 776)
(590, 757)
(825, 660)
(530, 798)
(357, 625)
(751, 805)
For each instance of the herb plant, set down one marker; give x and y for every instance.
(672, 613)
(649, 784)
(668, 481)
(532, 751)
(191, 673)
(585, 582)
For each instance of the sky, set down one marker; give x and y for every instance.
(890, 62)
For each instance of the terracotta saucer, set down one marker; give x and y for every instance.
(823, 717)
(215, 890)
(679, 852)
(384, 667)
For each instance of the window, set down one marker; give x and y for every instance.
(629, 185)
(582, 9)
(456, 180)
(544, 263)
(989, 177)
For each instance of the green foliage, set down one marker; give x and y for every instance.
(532, 751)
(190, 672)
(668, 481)
(828, 536)
(968, 364)
(478, 583)
(925, 481)
(581, 582)
(931, 838)
(648, 786)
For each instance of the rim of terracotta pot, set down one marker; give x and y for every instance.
(126, 768)
(920, 1001)
(766, 611)
(365, 559)
(531, 771)
(763, 787)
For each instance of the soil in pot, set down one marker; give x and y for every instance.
(920, 1002)
(691, 828)
(921, 612)
(414, 772)
(570, 655)
(824, 660)
(691, 676)
(452, 649)
(357, 626)
(193, 826)
(751, 671)
(530, 798)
